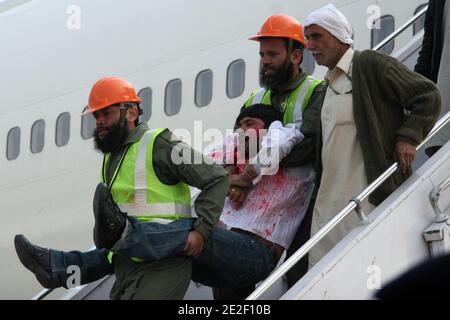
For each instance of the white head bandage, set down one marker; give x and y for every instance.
(332, 20)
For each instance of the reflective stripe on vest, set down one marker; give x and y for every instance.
(258, 97)
(292, 111)
(143, 195)
(138, 206)
(171, 210)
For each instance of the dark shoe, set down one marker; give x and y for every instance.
(37, 260)
(109, 220)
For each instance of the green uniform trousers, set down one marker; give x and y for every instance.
(167, 279)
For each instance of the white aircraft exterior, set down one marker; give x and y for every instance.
(52, 52)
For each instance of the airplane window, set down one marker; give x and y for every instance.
(308, 64)
(236, 78)
(387, 26)
(87, 125)
(62, 129)
(420, 23)
(13, 144)
(37, 136)
(146, 95)
(172, 99)
(203, 88)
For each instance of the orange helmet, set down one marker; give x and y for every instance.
(281, 26)
(109, 91)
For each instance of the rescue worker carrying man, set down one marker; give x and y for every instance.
(143, 180)
(299, 97)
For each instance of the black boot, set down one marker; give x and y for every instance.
(37, 260)
(109, 220)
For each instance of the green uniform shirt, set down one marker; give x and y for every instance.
(303, 152)
(169, 278)
(210, 178)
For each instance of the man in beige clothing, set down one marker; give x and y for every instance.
(346, 137)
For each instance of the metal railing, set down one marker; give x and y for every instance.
(434, 200)
(42, 294)
(400, 30)
(354, 204)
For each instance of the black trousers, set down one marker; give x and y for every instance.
(293, 275)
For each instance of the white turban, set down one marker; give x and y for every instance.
(332, 20)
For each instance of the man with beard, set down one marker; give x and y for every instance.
(299, 97)
(375, 112)
(139, 173)
(285, 85)
(260, 230)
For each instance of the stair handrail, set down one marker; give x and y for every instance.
(400, 30)
(354, 204)
(45, 292)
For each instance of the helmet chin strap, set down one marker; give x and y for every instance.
(290, 47)
(122, 124)
(123, 119)
(290, 50)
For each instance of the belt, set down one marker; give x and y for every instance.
(275, 249)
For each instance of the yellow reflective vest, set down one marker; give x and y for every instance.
(136, 189)
(294, 105)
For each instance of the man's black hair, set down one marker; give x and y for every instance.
(266, 112)
(294, 46)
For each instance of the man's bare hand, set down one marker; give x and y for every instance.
(194, 244)
(238, 180)
(237, 195)
(404, 154)
(250, 172)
